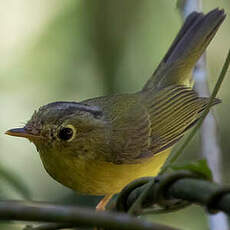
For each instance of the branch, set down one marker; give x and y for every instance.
(78, 217)
(168, 188)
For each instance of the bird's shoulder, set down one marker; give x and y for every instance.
(129, 126)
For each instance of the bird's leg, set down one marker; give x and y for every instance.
(103, 202)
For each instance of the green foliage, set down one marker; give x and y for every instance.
(15, 182)
(199, 167)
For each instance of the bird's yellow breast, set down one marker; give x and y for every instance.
(98, 177)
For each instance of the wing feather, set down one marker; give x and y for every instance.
(153, 123)
(172, 115)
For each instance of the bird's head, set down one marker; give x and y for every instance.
(66, 128)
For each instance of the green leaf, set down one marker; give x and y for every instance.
(199, 167)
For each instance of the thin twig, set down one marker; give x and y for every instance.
(136, 206)
(50, 226)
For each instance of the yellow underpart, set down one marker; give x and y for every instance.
(98, 177)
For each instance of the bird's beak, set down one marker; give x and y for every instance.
(20, 132)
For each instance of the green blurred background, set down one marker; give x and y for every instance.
(75, 49)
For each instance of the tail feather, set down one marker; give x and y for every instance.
(190, 21)
(190, 43)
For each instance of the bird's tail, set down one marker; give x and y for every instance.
(191, 41)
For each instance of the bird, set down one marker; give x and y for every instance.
(99, 145)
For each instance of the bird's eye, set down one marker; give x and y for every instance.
(66, 133)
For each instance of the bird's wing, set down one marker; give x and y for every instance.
(155, 123)
(172, 112)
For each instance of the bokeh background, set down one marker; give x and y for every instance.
(75, 49)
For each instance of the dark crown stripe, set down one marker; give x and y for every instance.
(65, 105)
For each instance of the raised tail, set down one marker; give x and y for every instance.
(190, 43)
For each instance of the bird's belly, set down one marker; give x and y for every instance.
(97, 177)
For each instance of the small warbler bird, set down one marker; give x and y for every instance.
(99, 145)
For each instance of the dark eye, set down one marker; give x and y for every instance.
(65, 134)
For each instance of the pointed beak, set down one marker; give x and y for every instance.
(20, 132)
